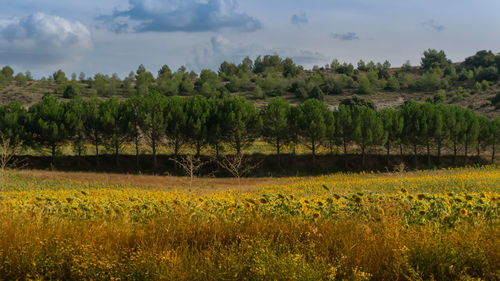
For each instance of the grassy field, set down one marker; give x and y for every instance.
(441, 225)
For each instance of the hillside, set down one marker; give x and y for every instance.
(472, 84)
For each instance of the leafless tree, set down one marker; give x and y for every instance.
(237, 164)
(190, 164)
(8, 150)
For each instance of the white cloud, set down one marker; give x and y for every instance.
(42, 39)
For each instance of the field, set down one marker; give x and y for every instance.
(439, 224)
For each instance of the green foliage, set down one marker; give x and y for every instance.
(487, 74)
(144, 80)
(364, 86)
(240, 122)
(433, 59)
(13, 123)
(6, 74)
(258, 93)
(48, 123)
(482, 58)
(317, 93)
(371, 129)
(314, 121)
(430, 80)
(275, 123)
(197, 110)
(21, 79)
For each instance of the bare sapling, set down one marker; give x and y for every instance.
(8, 151)
(191, 164)
(236, 164)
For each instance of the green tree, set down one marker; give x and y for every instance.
(7, 74)
(175, 119)
(371, 130)
(313, 121)
(456, 125)
(275, 123)
(484, 136)
(241, 122)
(153, 124)
(13, 123)
(393, 123)
(415, 126)
(48, 123)
(21, 79)
(441, 133)
(364, 86)
(197, 110)
(434, 59)
(471, 130)
(346, 125)
(115, 125)
(92, 123)
(134, 116)
(144, 79)
(76, 114)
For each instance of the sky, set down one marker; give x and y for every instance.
(116, 36)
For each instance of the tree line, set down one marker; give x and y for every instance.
(199, 122)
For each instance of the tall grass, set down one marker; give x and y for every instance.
(254, 248)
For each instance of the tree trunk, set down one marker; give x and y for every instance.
(466, 147)
(238, 147)
(97, 155)
(198, 148)
(313, 148)
(153, 146)
(117, 155)
(278, 151)
(79, 158)
(388, 146)
(415, 154)
(439, 152)
(345, 152)
(137, 151)
(176, 146)
(428, 153)
(478, 149)
(53, 149)
(363, 155)
(454, 152)
(345, 146)
(401, 150)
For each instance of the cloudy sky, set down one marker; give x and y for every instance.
(115, 36)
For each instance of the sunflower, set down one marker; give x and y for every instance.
(316, 216)
(463, 212)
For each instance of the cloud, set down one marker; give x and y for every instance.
(221, 49)
(433, 25)
(42, 39)
(349, 36)
(299, 19)
(180, 15)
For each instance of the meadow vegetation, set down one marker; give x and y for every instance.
(440, 225)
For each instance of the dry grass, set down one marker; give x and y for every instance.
(166, 183)
(256, 248)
